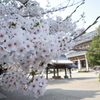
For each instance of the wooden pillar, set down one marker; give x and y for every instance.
(79, 65)
(57, 72)
(54, 72)
(70, 72)
(65, 73)
(47, 73)
(1, 71)
(87, 66)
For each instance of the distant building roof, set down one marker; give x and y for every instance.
(77, 53)
(86, 37)
(62, 60)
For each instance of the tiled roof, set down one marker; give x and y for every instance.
(77, 53)
(82, 39)
(86, 37)
(62, 60)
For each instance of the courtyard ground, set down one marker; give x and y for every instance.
(82, 86)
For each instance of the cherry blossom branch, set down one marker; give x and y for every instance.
(82, 16)
(61, 8)
(74, 11)
(95, 21)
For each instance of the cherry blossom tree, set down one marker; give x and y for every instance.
(28, 42)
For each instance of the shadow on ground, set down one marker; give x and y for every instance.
(59, 94)
(55, 94)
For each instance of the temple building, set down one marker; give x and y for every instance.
(79, 57)
(62, 63)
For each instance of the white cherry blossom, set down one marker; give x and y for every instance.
(28, 42)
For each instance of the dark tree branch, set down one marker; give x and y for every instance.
(25, 2)
(85, 50)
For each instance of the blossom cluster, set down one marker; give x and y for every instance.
(30, 42)
(33, 86)
(26, 41)
(66, 31)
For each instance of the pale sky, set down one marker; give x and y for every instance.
(91, 9)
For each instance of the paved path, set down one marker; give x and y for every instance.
(83, 86)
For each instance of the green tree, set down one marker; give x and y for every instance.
(94, 56)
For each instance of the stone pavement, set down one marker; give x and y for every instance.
(2, 96)
(83, 86)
